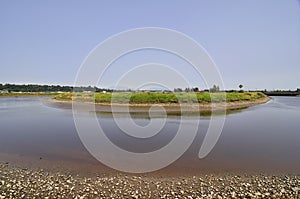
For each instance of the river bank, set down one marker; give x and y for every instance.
(19, 182)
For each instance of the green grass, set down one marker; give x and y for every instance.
(160, 97)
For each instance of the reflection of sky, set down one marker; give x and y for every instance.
(255, 43)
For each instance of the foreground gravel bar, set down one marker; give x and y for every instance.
(26, 183)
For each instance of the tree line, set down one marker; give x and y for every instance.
(58, 88)
(215, 88)
(47, 88)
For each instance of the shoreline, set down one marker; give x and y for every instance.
(19, 182)
(204, 108)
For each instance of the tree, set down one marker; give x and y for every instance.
(241, 86)
(196, 89)
(177, 90)
(187, 90)
(215, 88)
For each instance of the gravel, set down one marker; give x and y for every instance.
(27, 183)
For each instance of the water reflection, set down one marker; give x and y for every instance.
(262, 138)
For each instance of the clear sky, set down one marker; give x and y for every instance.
(255, 43)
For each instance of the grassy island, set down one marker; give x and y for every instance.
(174, 103)
(161, 97)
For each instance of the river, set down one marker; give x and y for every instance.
(263, 138)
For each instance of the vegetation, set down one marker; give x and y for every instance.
(160, 97)
(97, 95)
(215, 88)
(241, 86)
(283, 93)
(28, 94)
(8, 88)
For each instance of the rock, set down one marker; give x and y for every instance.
(296, 189)
(233, 194)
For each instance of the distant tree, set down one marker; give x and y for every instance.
(215, 88)
(45, 88)
(177, 90)
(241, 86)
(187, 90)
(196, 89)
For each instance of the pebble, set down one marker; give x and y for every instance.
(26, 183)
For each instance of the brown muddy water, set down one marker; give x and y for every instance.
(263, 138)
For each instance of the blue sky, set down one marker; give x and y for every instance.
(255, 43)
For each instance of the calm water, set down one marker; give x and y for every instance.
(264, 138)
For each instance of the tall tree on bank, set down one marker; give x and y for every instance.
(241, 86)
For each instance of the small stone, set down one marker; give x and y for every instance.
(233, 194)
(296, 189)
(258, 193)
(267, 194)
